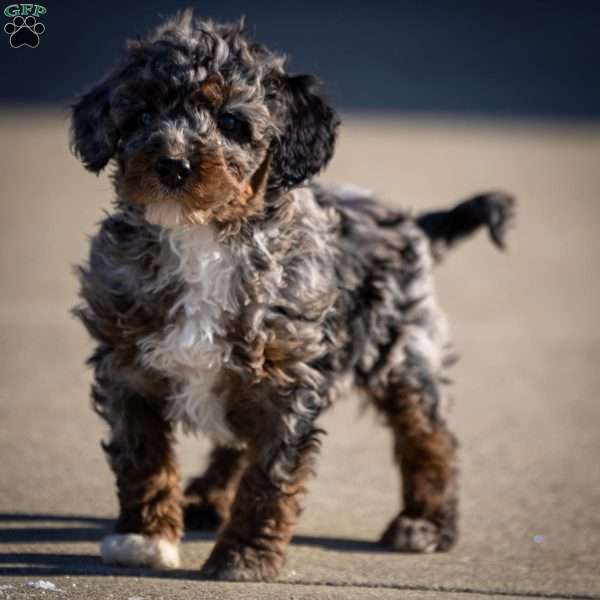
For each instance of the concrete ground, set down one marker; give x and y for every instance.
(526, 409)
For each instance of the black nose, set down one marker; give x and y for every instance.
(173, 171)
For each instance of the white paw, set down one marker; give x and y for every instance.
(135, 550)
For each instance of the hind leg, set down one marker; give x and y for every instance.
(425, 451)
(208, 498)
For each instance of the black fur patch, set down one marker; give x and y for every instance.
(307, 144)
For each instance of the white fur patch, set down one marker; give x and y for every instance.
(135, 550)
(171, 212)
(189, 349)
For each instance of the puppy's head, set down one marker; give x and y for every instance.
(202, 123)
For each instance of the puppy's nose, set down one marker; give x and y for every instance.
(173, 171)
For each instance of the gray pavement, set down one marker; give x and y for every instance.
(526, 402)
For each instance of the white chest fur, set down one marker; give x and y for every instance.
(190, 349)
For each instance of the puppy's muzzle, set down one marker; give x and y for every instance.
(173, 172)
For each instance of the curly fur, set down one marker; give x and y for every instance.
(237, 303)
(191, 350)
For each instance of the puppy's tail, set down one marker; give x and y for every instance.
(444, 228)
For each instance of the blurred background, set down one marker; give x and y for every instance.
(439, 100)
(516, 57)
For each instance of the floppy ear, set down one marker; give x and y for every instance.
(308, 138)
(94, 135)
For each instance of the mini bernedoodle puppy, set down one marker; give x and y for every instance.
(229, 293)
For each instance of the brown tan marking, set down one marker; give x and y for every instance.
(253, 543)
(212, 194)
(425, 451)
(208, 498)
(148, 480)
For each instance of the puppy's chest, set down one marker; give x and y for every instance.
(191, 348)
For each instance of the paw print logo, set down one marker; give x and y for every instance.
(24, 31)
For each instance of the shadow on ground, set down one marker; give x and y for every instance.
(17, 528)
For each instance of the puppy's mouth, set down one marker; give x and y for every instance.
(176, 193)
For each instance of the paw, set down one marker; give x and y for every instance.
(405, 534)
(242, 564)
(135, 550)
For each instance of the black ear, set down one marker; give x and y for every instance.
(309, 131)
(94, 135)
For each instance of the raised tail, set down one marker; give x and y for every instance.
(444, 228)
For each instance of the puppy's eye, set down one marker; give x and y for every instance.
(145, 118)
(231, 125)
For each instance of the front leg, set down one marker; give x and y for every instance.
(252, 545)
(140, 452)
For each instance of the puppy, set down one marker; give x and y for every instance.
(230, 294)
